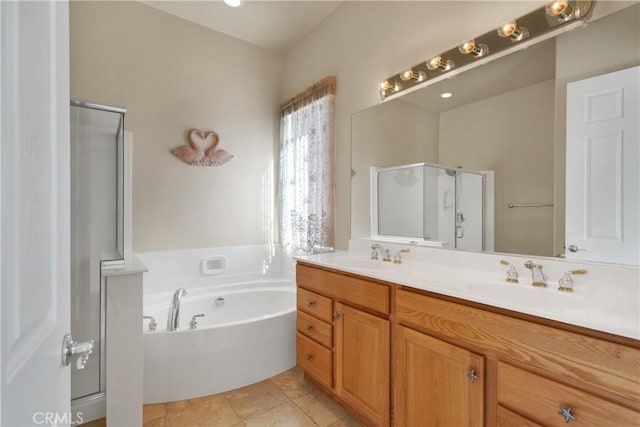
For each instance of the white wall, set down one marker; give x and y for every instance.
(364, 42)
(173, 75)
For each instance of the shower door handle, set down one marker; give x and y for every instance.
(71, 348)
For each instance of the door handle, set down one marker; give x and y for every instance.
(71, 348)
(574, 248)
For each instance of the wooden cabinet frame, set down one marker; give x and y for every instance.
(557, 355)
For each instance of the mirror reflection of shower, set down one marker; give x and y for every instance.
(433, 205)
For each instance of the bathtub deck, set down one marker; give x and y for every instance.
(286, 399)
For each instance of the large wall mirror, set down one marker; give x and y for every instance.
(507, 116)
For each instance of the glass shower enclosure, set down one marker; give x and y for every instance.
(432, 205)
(97, 230)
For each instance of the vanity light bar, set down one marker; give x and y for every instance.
(545, 22)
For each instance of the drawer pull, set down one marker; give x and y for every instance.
(309, 357)
(471, 374)
(309, 328)
(566, 413)
(335, 315)
(310, 303)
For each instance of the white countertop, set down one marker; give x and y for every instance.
(601, 304)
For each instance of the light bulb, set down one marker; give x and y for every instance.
(467, 47)
(385, 85)
(559, 8)
(470, 47)
(412, 75)
(511, 29)
(507, 29)
(434, 63)
(407, 75)
(446, 95)
(437, 63)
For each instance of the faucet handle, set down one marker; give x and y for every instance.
(512, 273)
(397, 259)
(566, 283)
(194, 321)
(153, 324)
(531, 265)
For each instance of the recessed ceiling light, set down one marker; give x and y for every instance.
(234, 3)
(446, 95)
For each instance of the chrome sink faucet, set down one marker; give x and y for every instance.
(539, 278)
(386, 255)
(173, 319)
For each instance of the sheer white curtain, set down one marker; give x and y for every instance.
(307, 147)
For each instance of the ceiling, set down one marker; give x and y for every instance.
(273, 25)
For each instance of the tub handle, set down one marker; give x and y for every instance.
(194, 321)
(153, 324)
(310, 303)
(309, 328)
(309, 357)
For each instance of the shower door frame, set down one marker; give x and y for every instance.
(98, 397)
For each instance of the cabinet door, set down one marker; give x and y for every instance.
(362, 347)
(436, 383)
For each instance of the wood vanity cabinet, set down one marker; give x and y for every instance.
(436, 383)
(343, 338)
(457, 363)
(535, 370)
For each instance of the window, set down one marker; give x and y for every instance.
(307, 146)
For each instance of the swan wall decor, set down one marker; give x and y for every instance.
(200, 151)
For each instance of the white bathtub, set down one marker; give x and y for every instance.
(248, 338)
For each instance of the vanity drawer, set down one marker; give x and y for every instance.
(591, 363)
(315, 360)
(317, 305)
(511, 419)
(345, 288)
(318, 330)
(540, 399)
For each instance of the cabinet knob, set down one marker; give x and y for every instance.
(566, 413)
(335, 315)
(471, 374)
(309, 328)
(309, 357)
(310, 303)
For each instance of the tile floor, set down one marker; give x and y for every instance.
(284, 400)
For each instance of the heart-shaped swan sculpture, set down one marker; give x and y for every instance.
(195, 153)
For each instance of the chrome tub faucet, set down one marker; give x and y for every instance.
(173, 319)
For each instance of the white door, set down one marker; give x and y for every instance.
(34, 214)
(603, 168)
